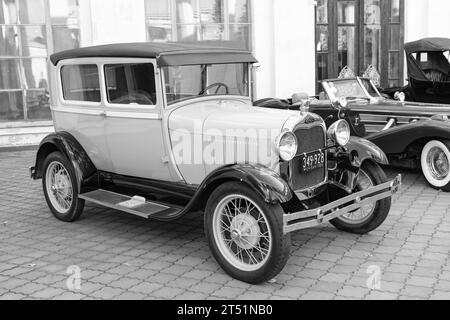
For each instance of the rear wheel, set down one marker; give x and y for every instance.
(435, 161)
(370, 216)
(245, 234)
(60, 188)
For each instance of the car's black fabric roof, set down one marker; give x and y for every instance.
(167, 54)
(428, 45)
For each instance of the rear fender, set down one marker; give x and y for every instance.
(85, 171)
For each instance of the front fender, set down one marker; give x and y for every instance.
(366, 150)
(264, 182)
(65, 143)
(397, 139)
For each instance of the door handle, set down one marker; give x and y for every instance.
(103, 114)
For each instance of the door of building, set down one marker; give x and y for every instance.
(360, 34)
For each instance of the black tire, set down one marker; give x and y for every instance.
(381, 210)
(77, 205)
(276, 259)
(427, 170)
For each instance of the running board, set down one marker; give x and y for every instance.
(134, 205)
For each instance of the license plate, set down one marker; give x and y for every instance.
(312, 161)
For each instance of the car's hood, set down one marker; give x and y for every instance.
(227, 115)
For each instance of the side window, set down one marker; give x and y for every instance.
(81, 83)
(131, 83)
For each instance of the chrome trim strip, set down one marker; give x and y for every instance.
(318, 216)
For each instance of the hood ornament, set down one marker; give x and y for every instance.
(302, 101)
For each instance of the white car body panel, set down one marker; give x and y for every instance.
(225, 125)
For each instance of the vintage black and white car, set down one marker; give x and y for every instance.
(413, 135)
(160, 130)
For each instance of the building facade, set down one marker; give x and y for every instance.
(297, 42)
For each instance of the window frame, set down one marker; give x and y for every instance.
(47, 26)
(123, 61)
(77, 62)
(226, 24)
(248, 71)
(138, 107)
(331, 55)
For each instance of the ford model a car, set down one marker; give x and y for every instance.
(159, 130)
(413, 135)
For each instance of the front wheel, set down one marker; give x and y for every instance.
(245, 234)
(370, 216)
(435, 161)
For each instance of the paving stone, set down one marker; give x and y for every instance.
(167, 293)
(107, 293)
(145, 288)
(317, 295)
(415, 291)
(353, 292)
(228, 293)
(12, 296)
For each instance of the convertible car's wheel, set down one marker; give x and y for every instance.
(60, 188)
(435, 161)
(245, 234)
(370, 216)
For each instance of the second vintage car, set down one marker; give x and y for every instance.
(413, 135)
(160, 130)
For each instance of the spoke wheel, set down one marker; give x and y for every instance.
(245, 233)
(60, 188)
(370, 216)
(242, 232)
(361, 215)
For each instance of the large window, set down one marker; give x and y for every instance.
(359, 34)
(81, 83)
(187, 82)
(224, 22)
(131, 84)
(30, 30)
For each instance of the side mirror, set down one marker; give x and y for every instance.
(400, 96)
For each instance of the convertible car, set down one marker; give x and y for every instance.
(428, 71)
(413, 135)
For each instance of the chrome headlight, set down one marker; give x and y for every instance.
(287, 146)
(339, 132)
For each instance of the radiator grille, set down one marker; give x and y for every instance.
(309, 140)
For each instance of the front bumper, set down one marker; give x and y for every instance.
(315, 217)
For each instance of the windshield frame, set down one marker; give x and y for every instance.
(359, 80)
(205, 75)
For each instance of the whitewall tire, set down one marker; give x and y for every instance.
(435, 162)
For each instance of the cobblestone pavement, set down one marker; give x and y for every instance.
(125, 257)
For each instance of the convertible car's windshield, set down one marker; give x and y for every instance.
(351, 88)
(187, 82)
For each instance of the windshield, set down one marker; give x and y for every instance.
(187, 82)
(351, 89)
